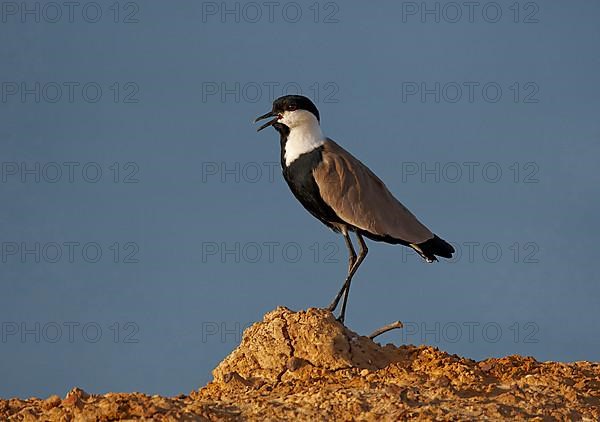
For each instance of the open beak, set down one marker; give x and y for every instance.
(266, 116)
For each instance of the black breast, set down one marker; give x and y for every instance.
(299, 177)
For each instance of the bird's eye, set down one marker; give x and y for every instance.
(291, 107)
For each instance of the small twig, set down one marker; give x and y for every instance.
(385, 329)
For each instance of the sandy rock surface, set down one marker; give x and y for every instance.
(307, 366)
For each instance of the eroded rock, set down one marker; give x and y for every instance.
(307, 366)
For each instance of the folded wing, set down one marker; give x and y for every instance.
(362, 200)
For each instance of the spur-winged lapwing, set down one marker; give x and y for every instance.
(341, 191)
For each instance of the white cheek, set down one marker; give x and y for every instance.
(289, 118)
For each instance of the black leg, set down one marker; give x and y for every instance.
(361, 256)
(351, 261)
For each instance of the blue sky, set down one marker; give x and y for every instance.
(144, 223)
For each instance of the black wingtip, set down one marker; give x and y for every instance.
(436, 246)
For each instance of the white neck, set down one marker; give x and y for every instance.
(303, 138)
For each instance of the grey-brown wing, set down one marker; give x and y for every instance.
(361, 199)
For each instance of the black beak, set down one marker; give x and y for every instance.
(266, 116)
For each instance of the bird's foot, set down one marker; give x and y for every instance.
(336, 300)
(332, 307)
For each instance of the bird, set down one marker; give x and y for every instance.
(341, 191)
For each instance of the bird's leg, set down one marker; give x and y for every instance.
(351, 261)
(361, 256)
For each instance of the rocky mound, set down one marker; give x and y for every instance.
(307, 366)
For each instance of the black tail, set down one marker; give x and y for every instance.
(433, 247)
